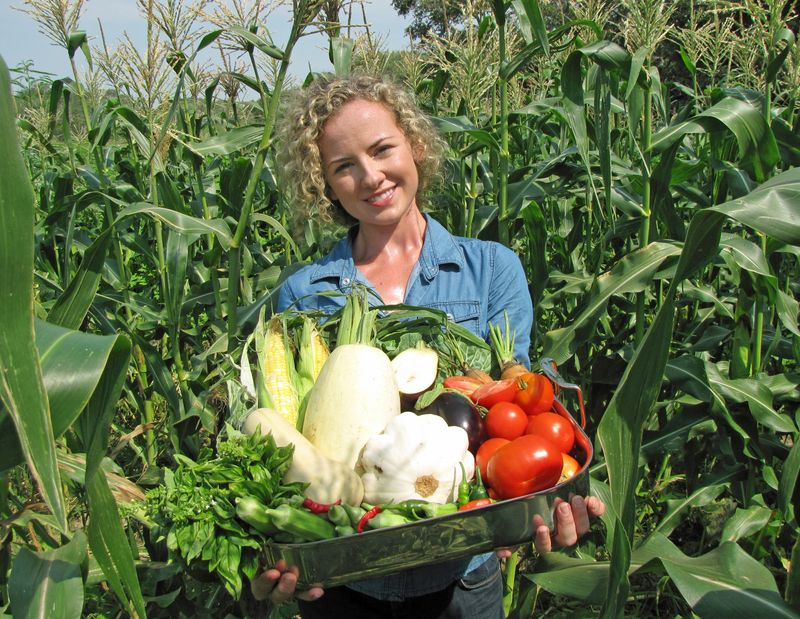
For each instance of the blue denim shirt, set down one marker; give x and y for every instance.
(473, 282)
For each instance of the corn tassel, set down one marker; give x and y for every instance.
(312, 356)
(279, 377)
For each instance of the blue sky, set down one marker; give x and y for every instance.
(21, 41)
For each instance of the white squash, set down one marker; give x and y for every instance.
(352, 400)
(328, 480)
(416, 457)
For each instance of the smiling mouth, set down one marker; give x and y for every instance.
(380, 198)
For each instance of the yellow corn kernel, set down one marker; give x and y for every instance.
(278, 371)
(321, 352)
(313, 352)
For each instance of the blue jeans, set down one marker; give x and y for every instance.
(477, 595)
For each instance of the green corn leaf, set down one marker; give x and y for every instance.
(181, 223)
(637, 62)
(755, 393)
(746, 522)
(228, 142)
(785, 37)
(788, 485)
(257, 41)
(50, 583)
(73, 304)
(726, 582)
(631, 274)
(341, 53)
(21, 384)
(748, 256)
(677, 508)
(757, 146)
(772, 208)
(531, 23)
(460, 124)
(107, 539)
(73, 364)
(177, 261)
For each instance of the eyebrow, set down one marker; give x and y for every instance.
(337, 160)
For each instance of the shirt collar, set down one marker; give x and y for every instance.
(438, 248)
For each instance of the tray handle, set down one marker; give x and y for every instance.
(550, 370)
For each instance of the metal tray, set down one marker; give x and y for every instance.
(425, 542)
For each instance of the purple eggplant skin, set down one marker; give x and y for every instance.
(458, 410)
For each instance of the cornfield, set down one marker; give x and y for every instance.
(640, 157)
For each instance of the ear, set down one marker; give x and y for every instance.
(418, 152)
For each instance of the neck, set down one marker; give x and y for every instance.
(401, 240)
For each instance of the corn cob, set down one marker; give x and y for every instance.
(313, 352)
(279, 377)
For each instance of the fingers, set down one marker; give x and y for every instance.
(566, 531)
(541, 537)
(572, 521)
(595, 506)
(580, 515)
(279, 584)
(314, 593)
(503, 553)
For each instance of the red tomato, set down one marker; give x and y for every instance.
(464, 384)
(485, 453)
(554, 428)
(496, 391)
(534, 393)
(527, 464)
(569, 468)
(506, 420)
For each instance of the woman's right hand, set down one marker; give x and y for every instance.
(278, 584)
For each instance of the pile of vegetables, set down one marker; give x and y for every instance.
(342, 442)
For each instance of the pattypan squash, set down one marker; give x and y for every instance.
(416, 457)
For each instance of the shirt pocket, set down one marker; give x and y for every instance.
(465, 313)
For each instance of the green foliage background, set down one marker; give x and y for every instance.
(645, 172)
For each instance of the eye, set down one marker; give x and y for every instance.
(383, 148)
(341, 167)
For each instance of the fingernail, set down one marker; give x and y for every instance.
(563, 508)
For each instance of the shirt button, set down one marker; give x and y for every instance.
(346, 281)
(450, 316)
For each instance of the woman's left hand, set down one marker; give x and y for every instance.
(571, 520)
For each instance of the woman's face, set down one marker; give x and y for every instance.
(369, 163)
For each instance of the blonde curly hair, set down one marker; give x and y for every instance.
(300, 164)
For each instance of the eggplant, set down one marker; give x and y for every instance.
(458, 410)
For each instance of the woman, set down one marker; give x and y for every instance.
(360, 144)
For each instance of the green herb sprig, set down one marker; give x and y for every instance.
(194, 510)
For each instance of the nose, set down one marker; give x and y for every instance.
(372, 174)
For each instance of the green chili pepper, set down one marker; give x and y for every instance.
(300, 523)
(338, 516)
(387, 519)
(354, 513)
(411, 508)
(432, 510)
(478, 489)
(344, 531)
(255, 513)
(463, 487)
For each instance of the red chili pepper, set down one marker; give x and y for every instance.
(319, 508)
(367, 517)
(475, 503)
